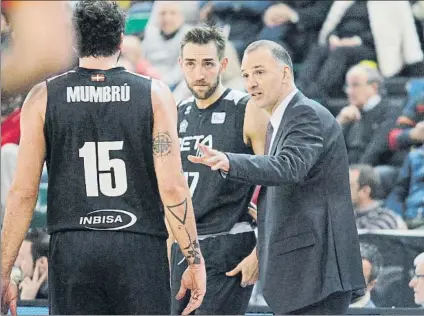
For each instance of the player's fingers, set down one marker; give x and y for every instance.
(36, 274)
(43, 277)
(195, 302)
(181, 292)
(13, 307)
(234, 272)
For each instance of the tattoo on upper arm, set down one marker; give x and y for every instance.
(162, 144)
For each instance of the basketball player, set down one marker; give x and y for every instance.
(41, 45)
(110, 141)
(216, 116)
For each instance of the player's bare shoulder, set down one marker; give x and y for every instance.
(36, 100)
(162, 97)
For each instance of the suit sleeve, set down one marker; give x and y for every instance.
(295, 156)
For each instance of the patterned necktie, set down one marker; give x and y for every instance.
(269, 132)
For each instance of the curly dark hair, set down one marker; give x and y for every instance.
(98, 28)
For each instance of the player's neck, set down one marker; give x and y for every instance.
(103, 63)
(203, 104)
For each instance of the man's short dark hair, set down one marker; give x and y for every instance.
(98, 27)
(277, 51)
(372, 255)
(367, 177)
(203, 35)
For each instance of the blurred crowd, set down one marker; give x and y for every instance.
(362, 59)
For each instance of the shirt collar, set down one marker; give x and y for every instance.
(372, 103)
(279, 111)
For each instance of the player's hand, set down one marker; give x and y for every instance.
(211, 158)
(9, 297)
(249, 268)
(30, 287)
(193, 279)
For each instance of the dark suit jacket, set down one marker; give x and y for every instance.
(308, 242)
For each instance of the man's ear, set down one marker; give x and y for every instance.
(224, 64)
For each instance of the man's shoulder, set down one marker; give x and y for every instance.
(236, 97)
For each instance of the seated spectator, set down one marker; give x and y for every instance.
(132, 51)
(295, 25)
(244, 19)
(406, 199)
(384, 32)
(417, 281)
(367, 120)
(372, 263)
(161, 45)
(368, 212)
(31, 266)
(409, 130)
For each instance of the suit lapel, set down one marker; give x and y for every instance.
(293, 101)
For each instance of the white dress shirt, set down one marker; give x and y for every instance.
(277, 116)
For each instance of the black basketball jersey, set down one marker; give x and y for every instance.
(218, 203)
(98, 130)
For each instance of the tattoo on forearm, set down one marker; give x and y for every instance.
(183, 205)
(162, 144)
(193, 250)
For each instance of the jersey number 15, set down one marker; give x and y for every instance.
(101, 172)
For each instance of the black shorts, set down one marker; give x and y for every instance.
(224, 295)
(105, 273)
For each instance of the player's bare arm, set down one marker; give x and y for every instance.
(23, 194)
(254, 133)
(175, 193)
(255, 125)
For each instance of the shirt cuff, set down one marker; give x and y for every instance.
(223, 173)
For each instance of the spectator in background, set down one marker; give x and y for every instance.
(243, 18)
(369, 214)
(10, 118)
(132, 51)
(367, 119)
(406, 198)
(295, 25)
(417, 281)
(32, 265)
(409, 130)
(161, 45)
(9, 155)
(372, 263)
(361, 30)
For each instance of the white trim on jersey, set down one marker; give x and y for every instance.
(235, 96)
(58, 76)
(190, 99)
(139, 75)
